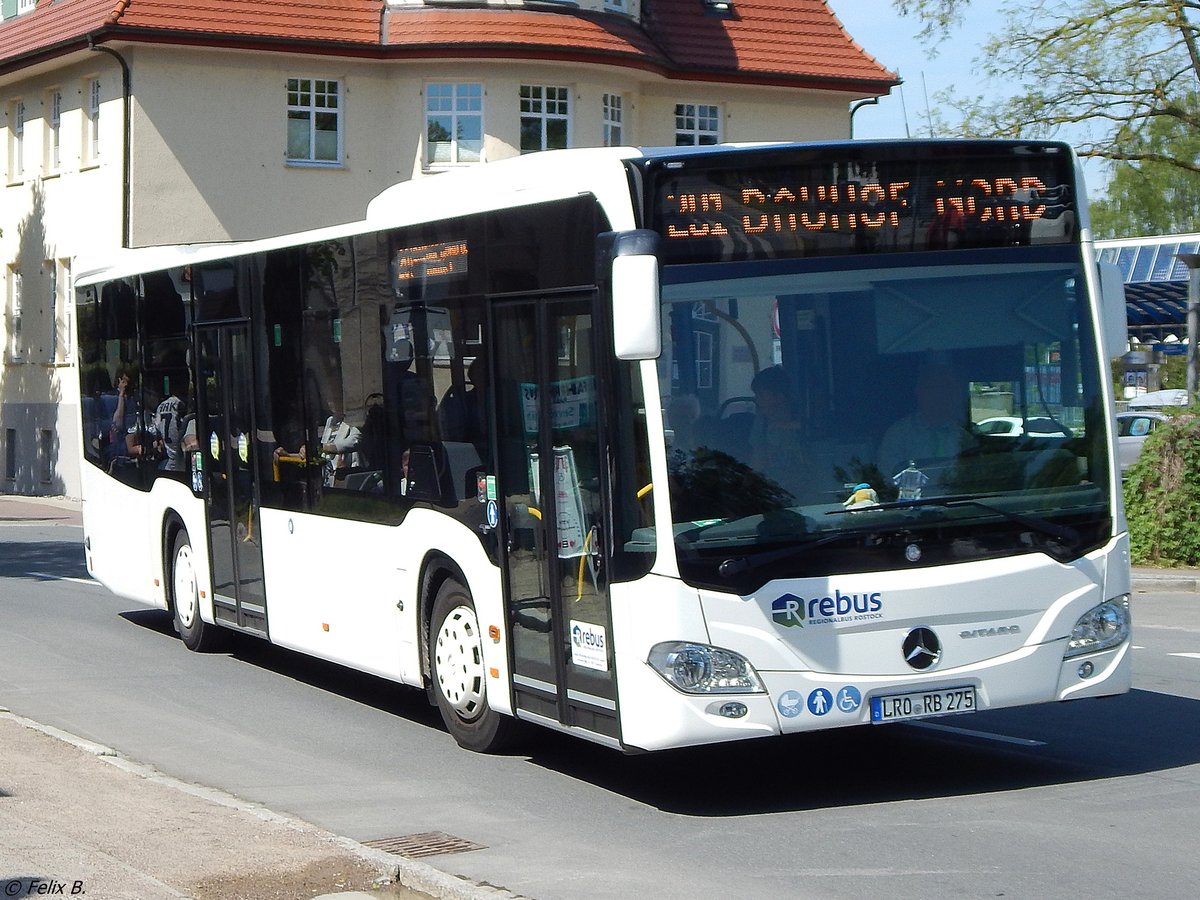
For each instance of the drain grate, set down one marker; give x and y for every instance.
(428, 843)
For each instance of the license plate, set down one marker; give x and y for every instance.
(919, 704)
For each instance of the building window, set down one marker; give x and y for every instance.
(63, 307)
(26, 6)
(53, 131)
(16, 141)
(615, 6)
(614, 120)
(545, 115)
(697, 123)
(91, 122)
(58, 277)
(453, 123)
(45, 455)
(10, 454)
(16, 345)
(314, 121)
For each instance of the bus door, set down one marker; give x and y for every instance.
(550, 479)
(226, 433)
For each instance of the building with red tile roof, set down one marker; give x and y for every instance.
(138, 122)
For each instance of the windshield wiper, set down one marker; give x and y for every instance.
(738, 564)
(1044, 527)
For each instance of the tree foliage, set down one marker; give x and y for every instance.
(1104, 70)
(1162, 495)
(1152, 197)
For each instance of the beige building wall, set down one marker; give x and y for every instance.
(208, 163)
(50, 214)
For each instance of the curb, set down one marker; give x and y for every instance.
(410, 873)
(1154, 582)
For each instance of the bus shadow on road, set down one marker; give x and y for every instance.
(1002, 750)
(370, 690)
(42, 560)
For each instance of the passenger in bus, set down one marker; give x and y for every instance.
(177, 427)
(935, 429)
(130, 438)
(776, 432)
(339, 443)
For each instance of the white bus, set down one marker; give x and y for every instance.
(655, 447)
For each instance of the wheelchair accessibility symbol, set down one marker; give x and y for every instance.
(849, 699)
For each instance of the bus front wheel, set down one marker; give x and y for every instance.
(459, 675)
(185, 597)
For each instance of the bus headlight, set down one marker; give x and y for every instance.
(701, 669)
(1100, 628)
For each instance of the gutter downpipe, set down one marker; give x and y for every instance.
(856, 107)
(126, 154)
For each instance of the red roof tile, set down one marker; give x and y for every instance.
(505, 31)
(794, 42)
(795, 38)
(350, 21)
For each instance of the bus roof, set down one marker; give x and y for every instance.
(516, 181)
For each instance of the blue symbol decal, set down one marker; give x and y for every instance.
(849, 699)
(790, 704)
(820, 702)
(493, 514)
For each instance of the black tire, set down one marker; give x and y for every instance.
(459, 676)
(196, 634)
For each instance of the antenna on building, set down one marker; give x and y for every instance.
(904, 110)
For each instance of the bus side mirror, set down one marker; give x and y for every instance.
(636, 315)
(1114, 319)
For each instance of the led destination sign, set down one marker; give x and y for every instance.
(431, 262)
(838, 206)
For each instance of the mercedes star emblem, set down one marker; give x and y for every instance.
(922, 649)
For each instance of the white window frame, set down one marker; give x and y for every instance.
(54, 130)
(460, 102)
(614, 120)
(16, 349)
(310, 99)
(64, 308)
(58, 277)
(544, 104)
(697, 124)
(90, 152)
(16, 141)
(26, 6)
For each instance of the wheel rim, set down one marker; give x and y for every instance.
(185, 587)
(458, 662)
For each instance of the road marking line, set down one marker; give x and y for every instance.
(50, 577)
(986, 735)
(1186, 655)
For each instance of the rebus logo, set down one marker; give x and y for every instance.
(791, 611)
(788, 611)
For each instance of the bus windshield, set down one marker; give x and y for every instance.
(838, 414)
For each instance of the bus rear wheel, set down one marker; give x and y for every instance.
(185, 597)
(459, 675)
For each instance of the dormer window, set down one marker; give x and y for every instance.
(722, 8)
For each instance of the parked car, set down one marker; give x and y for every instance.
(1159, 399)
(1132, 429)
(1015, 426)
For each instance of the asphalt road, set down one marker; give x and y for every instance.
(1094, 798)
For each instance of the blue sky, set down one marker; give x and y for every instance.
(892, 39)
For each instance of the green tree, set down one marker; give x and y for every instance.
(1104, 70)
(1152, 197)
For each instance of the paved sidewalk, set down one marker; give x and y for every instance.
(80, 816)
(48, 510)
